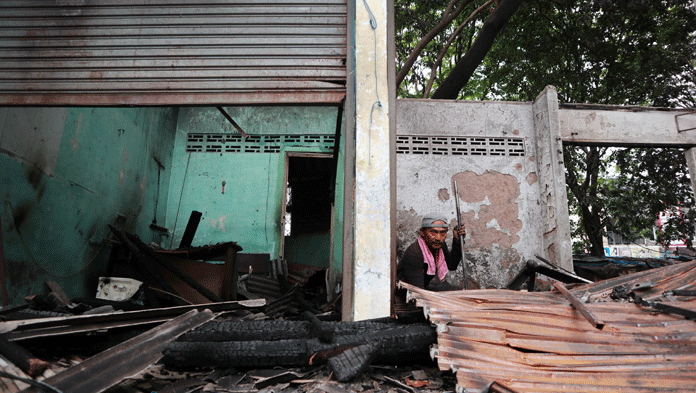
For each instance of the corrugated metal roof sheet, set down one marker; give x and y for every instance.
(537, 342)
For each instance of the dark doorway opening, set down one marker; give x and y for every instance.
(308, 210)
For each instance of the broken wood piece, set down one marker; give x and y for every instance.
(110, 367)
(229, 281)
(318, 328)
(234, 123)
(280, 377)
(399, 384)
(190, 230)
(144, 262)
(497, 387)
(680, 292)
(58, 292)
(596, 322)
(169, 266)
(352, 362)
(417, 383)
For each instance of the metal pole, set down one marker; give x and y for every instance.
(461, 238)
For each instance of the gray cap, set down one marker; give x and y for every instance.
(429, 218)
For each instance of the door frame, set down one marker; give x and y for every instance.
(284, 201)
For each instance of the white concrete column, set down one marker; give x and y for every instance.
(373, 212)
(551, 175)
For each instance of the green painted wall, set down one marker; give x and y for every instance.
(65, 174)
(249, 210)
(311, 249)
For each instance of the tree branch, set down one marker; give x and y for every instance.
(436, 65)
(461, 73)
(447, 18)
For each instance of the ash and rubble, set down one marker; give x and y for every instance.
(286, 336)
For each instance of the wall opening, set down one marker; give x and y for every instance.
(308, 210)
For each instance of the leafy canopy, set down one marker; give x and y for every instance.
(617, 52)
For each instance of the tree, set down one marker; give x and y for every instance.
(658, 184)
(620, 52)
(465, 67)
(423, 27)
(585, 183)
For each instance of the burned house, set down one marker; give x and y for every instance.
(273, 126)
(137, 115)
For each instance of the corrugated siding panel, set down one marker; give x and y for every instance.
(167, 52)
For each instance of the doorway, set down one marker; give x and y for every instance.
(308, 209)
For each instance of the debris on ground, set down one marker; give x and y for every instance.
(598, 269)
(285, 335)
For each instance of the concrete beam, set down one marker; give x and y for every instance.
(627, 126)
(551, 174)
(373, 250)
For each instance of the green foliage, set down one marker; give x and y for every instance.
(656, 181)
(615, 52)
(413, 20)
(623, 52)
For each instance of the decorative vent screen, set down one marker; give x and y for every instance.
(234, 143)
(459, 145)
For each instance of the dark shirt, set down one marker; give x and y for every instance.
(412, 268)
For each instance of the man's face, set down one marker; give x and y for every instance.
(434, 237)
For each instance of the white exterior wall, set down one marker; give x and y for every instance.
(371, 274)
(499, 194)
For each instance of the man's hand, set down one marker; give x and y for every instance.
(459, 231)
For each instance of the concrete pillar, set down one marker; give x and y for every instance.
(551, 172)
(373, 214)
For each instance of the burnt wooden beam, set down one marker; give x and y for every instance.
(22, 358)
(190, 231)
(145, 262)
(150, 253)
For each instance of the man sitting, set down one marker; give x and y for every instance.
(426, 262)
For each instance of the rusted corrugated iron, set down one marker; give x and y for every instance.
(537, 341)
(124, 360)
(44, 327)
(190, 52)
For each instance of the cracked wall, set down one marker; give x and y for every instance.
(499, 194)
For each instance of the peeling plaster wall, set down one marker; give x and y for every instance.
(65, 174)
(499, 194)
